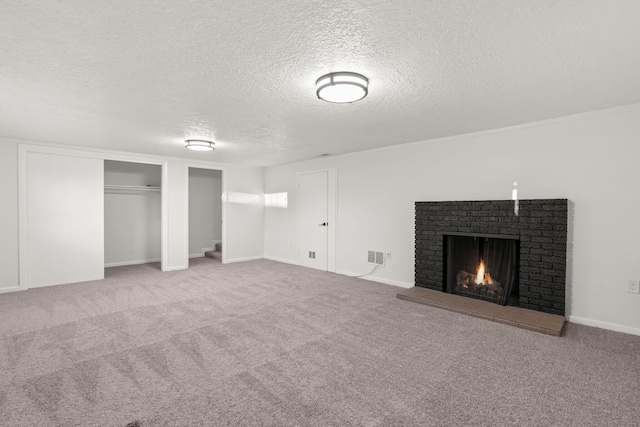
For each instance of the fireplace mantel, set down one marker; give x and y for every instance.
(540, 224)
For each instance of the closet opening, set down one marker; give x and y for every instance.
(132, 214)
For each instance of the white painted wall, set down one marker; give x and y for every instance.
(243, 197)
(131, 173)
(593, 164)
(9, 260)
(591, 159)
(245, 228)
(205, 209)
(177, 218)
(132, 228)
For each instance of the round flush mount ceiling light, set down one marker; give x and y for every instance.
(342, 87)
(199, 145)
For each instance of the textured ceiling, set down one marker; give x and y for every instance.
(142, 76)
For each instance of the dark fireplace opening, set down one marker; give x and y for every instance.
(482, 266)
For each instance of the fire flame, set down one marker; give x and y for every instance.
(480, 275)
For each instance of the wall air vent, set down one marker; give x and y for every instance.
(374, 257)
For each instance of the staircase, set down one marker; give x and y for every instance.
(216, 253)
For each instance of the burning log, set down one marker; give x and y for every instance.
(493, 286)
(483, 284)
(464, 279)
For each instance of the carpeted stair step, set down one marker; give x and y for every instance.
(215, 254)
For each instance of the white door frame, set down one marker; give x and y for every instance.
(23, 188)
(332, 196)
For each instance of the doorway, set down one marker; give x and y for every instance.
(205, 213)
(317, 219)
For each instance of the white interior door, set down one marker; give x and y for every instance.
(313, 220)
(65, 212)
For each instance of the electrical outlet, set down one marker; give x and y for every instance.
(632, 287)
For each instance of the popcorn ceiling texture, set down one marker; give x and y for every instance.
(144, 76)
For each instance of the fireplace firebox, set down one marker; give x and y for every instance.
(482, 266)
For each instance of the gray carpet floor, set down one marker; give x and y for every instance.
(266, 343)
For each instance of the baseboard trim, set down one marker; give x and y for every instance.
(11, 289)
(283, 260)
(141, 261)
(253, 258)
(405, 285)
(203, 250)
(199, 255)
(603, 325)
(176, 268)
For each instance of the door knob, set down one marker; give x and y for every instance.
(324, 224)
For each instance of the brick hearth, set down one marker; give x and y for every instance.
(537, 321)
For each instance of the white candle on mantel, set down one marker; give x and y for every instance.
(514, 197)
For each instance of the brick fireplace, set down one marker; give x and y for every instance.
(540, 226)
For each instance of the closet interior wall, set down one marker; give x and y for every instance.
(132, 208)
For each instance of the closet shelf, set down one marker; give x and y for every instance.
(128, 188)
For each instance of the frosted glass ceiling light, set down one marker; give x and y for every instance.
(342, 88)
(199, 145)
